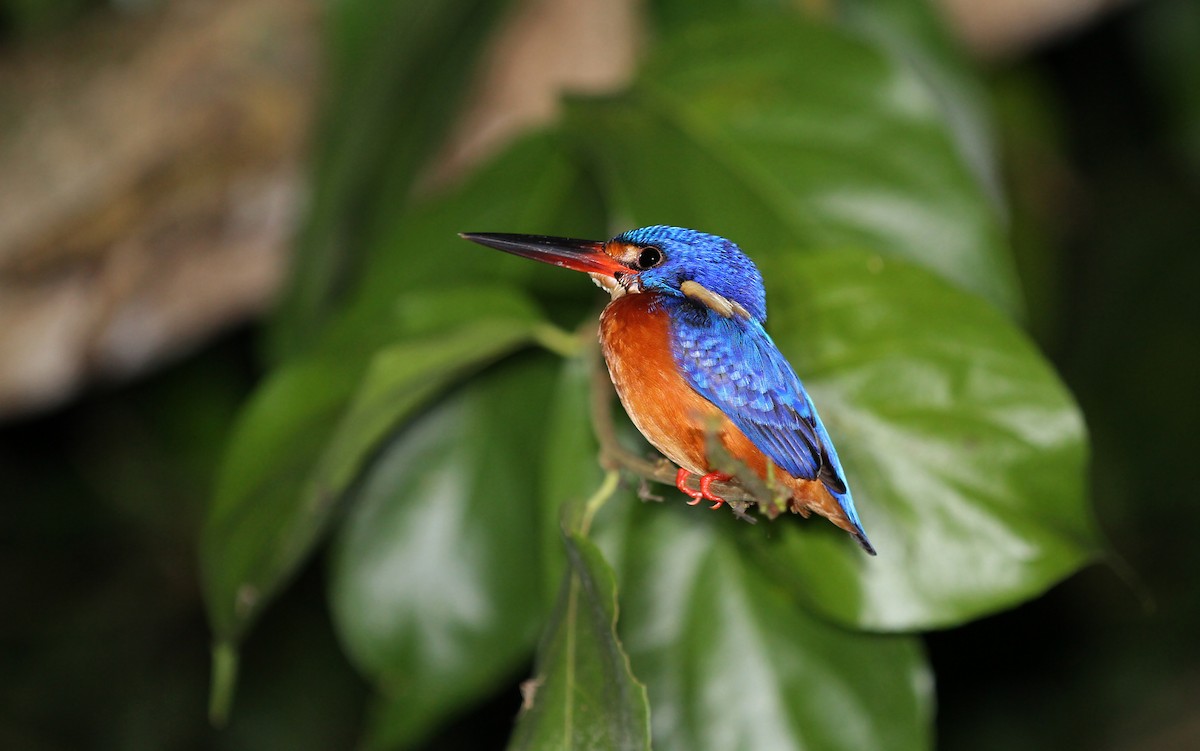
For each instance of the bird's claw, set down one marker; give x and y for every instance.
(681, 478)
(706, 490)
(705, 493)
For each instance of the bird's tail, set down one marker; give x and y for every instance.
(815, 495)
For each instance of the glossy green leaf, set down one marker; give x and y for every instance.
(570, 465)
(732, 662)
(964, 451)
(435, 585)
(914, 32)
(400, 378)
(304, 433)
(399, 70)
(583, 695)
(784, 134)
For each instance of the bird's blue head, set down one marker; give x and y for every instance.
(717, 265)
(670, 261)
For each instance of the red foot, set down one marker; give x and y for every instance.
(705, 492)
(681, 478)
(706, 487)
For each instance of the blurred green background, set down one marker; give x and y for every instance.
(103, 637)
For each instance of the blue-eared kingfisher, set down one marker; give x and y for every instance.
(684, 341)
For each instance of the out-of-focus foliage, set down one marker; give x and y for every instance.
(397, 70)
(430, 586)
(312, 426)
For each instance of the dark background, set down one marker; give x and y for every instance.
(103, 642)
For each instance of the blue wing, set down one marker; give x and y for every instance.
(733, 363)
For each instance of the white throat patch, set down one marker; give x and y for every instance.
(615, 288)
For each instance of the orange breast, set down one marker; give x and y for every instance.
(636, 342)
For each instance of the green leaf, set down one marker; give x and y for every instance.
(399, 70)
(964, 451)
(570, 466)
(435, 584)
(400, 378)
(583, 695)
(732, 662)
(296, 447)
(914, 32)
(781, 134)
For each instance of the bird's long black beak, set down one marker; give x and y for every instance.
(578, 255)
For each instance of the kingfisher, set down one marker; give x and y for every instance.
(684, 340)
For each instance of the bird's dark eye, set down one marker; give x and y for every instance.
(649, 258)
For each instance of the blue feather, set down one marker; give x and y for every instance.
(734, 364)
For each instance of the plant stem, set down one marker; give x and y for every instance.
(224, 680)
(598, 499)
(562, 343)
